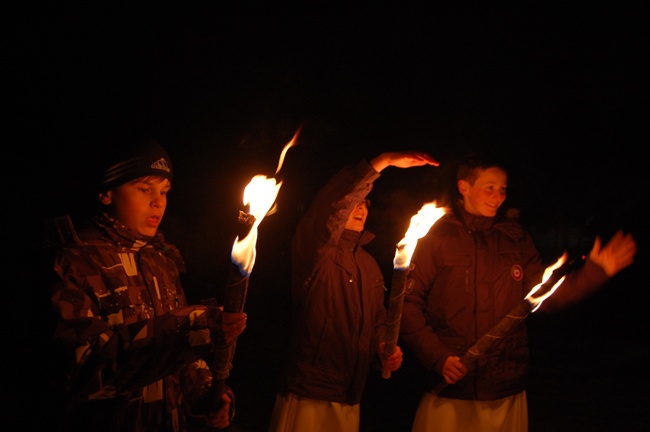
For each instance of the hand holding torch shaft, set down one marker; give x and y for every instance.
(233, 301)
(515, 316)
(418, 228)
(259, 196)
(395, 303)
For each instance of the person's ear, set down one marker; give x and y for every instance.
(105, 197)
(463, 187)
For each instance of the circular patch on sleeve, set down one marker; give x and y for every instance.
(517, 272)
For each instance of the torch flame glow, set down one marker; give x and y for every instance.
(259, 195)
(536, 302)
(419, 227)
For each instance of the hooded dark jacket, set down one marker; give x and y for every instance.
(132, 345)
(338, 295)
(470, 271)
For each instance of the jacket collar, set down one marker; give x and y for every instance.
(358, 238)
(473, 222)
(119, 234)
(482, 223)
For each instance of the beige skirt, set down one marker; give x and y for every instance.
(295, 414)
(438, 414)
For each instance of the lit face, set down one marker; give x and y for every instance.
(486, 195)
(139, 204)
(357, 218)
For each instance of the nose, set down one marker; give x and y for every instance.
(158, 201)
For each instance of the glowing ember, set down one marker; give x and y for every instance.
(259, 195)
(536, 300)
(420, 225)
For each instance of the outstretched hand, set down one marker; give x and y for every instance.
(616, 255)
(402, 160)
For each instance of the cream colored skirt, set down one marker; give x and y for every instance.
(294, 414)
(438, 414)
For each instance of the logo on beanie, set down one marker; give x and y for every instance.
(161, 164)
(517, 272)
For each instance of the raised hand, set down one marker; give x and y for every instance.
(402, 160)
(616, 255)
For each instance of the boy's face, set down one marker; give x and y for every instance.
(357, 218)
(486, 195)
(139, 204)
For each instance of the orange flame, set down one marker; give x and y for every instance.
(420, 225)
(259, 195)
(536, 302)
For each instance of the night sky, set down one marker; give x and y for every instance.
(558, 93)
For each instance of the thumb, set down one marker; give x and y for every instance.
(595, 250)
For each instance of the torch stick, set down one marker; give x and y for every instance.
(553, 277)
(420, 225)
(259, 196)
(233, 301)
(395, 303)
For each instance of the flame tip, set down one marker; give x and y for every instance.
(259, 196)
(420, 225)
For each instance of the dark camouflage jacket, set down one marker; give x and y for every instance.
(135, 349)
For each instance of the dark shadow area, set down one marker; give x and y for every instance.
(559, 94)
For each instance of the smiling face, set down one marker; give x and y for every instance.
(485, 195)
(139, 204)
(357, 218)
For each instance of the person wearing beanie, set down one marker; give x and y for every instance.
(144, 158)
(135, 356)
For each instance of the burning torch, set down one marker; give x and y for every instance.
(420, 225)
(553, 277)
(259, 196)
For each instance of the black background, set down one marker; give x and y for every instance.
(558, 92)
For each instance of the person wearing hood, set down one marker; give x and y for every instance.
(338, 310)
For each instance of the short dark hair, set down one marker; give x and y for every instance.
(470, 166)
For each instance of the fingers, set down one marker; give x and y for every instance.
(230, 318)
(616, 255)
(426, 159)
(394, 361)
(625, 250)
(402, 160)
(415, 158)
(233, 324)
(219, 419)
(453, 370)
